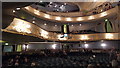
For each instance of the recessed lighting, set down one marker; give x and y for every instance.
(13, 11)
(33, 21)
(64, 3)
(106, 20)
(45, 24)
(41, 1)
(51, 2)
(55, 25)
(80, 24)
(6, 43)
(17, 8)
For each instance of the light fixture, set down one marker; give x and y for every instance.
(41, 1)
(80, 24)
(64, 3)
(46, 16)
(17, 8)
(44, 33)
(13, 11)
(68, 19)
(106, 20)
(54, 46)
(55, 25)
(71, 25)
(51, 2)
(79, 19)
(103, 14)
(45, 24)
(91, 17)
(103, 44)
(36, 12)
(84, 37)
(57, 18)
(86, 45)
(109, 36)
(33, 21)
(6, 43)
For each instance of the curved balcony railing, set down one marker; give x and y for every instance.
(39, 14)
(19, 26)
(97, 10)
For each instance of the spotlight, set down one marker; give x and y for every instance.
(54, 46)
(103, 44)
(13, 11)
(6, 43)
(45, 24)
(17, 8)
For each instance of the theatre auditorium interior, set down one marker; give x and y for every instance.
(60, 34)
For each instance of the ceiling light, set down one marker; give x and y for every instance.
(86, 45)
(55, 25)
(33, 21)
(80, 24)
(45, 24)
(17, 8)
(71, 25)
(57, 18)
(54, 46)
(106, 20)
(51, 2)
(13, 11)
(6, 43)
(103, 44)
(41, 1)
(64, 3)
(68, 19)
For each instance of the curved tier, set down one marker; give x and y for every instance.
(45, 15)
(19, 26)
